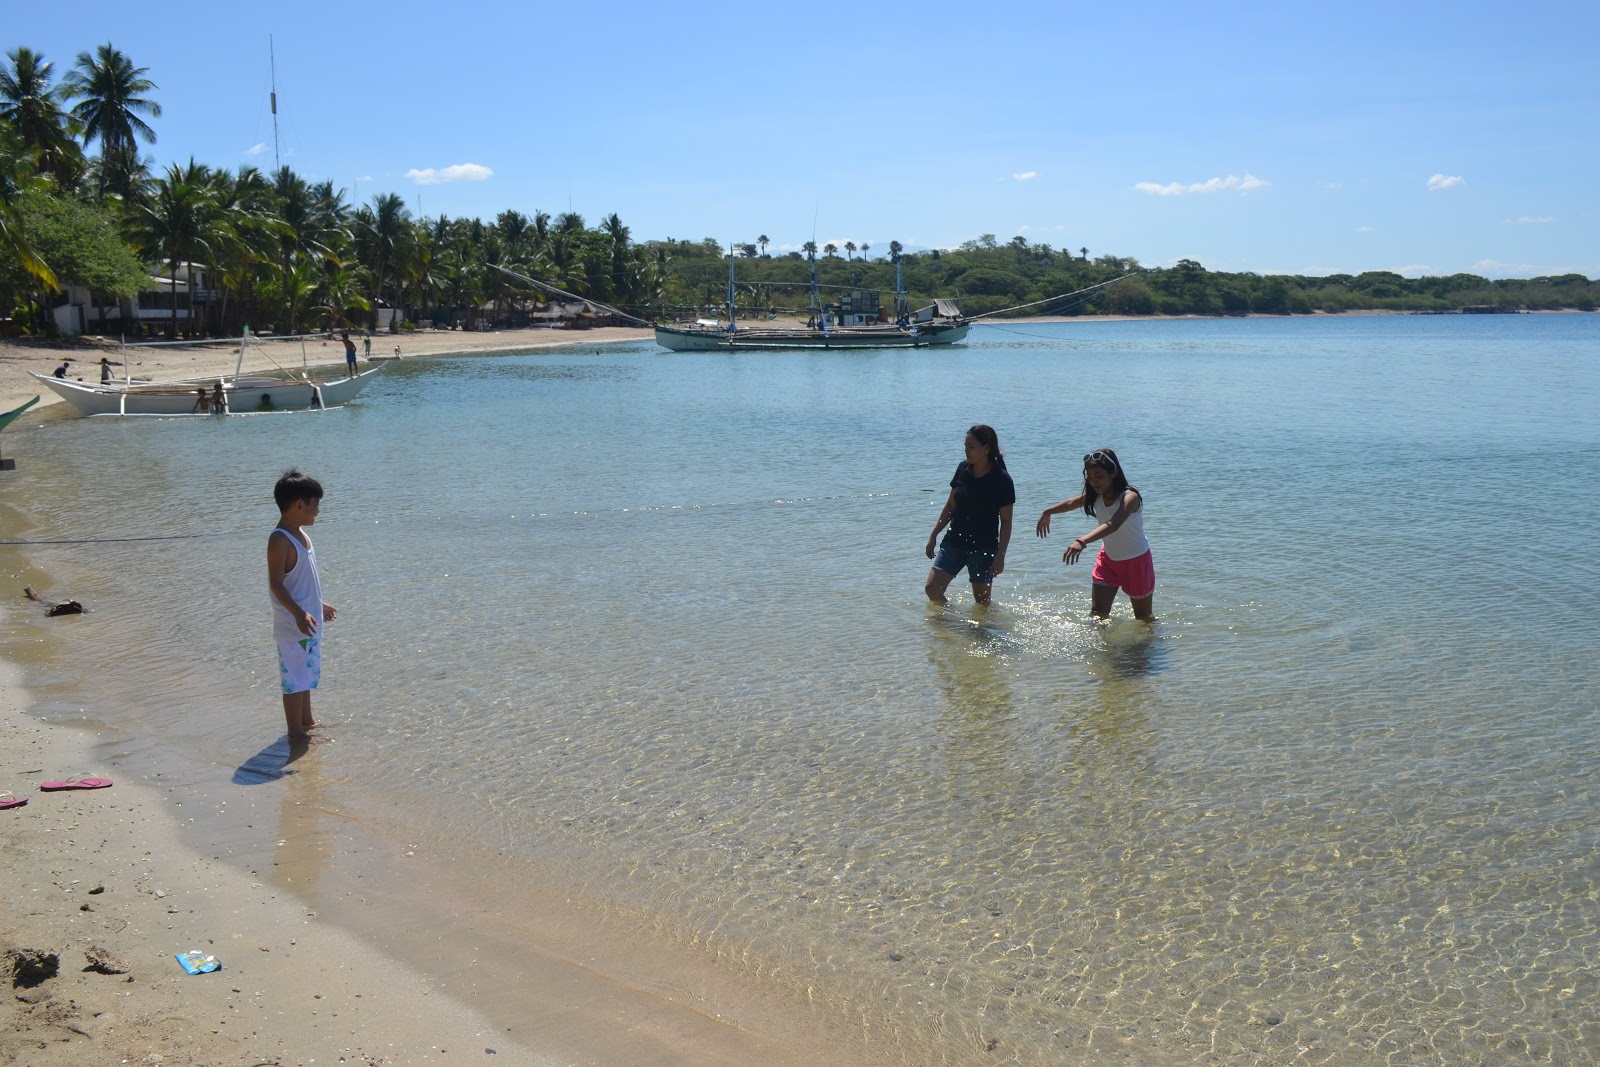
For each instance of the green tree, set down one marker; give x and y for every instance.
(179, 225)
(31, 106)
(17, 179)
(387, 226)
(110, 92)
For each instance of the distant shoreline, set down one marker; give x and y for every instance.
(182, 361)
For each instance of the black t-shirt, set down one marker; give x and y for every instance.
(975, 526)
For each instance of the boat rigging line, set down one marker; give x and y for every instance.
(1051, 299)
(571, 296)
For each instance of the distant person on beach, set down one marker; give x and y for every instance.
(61, 371)
(298, 610)
(978, 512)
(202, 402)
(219, 399)
(1124, 561)
(366, 347)
(266, 403)
(349, 352)
(105, 369)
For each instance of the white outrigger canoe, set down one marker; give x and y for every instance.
(244, 393)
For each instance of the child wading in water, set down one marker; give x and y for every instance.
(978, 512)
(298, 611)
(1124, 561)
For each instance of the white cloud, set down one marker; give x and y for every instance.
(1441, 181)
(1025, 176)
(458, 172)
(255, 149)
(1331, 185)
(1527, 220)
(1249, 183)
(1413, 270)
(1022, 229)
(1366, 229)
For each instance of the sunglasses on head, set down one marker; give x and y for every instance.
(1105, 459)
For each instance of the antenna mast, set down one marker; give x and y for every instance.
(272, 59)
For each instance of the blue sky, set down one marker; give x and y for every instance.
(1269, 137)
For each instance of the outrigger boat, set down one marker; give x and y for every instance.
(243, 393)
(940, 323)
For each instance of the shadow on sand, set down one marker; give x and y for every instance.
(271, 763)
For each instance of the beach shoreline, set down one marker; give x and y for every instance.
(187, 857)
(198, 360)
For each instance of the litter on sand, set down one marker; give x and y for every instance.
(196, 962)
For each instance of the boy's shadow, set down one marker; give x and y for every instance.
(271, 763)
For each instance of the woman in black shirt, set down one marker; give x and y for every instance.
(978, 513)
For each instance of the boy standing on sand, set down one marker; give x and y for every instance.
(298, 610)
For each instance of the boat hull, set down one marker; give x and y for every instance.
(702, 339)
(178, 398)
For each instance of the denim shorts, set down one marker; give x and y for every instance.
(951, 558)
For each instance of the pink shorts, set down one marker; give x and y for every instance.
(1136, 576)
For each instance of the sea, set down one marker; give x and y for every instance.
(642, 635)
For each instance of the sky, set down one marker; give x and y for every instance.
(1270, 137)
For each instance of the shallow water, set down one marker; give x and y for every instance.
(651, 624)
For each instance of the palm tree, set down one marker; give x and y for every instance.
(388, 225)
(809, 248)
(895, 248)
(620, 239)
(830, 250)
(1085, 253)
(865, 248)
(763, 241)
(850, 250)
(17, 177)
(178, 225)
(32, 107)
(109, 90)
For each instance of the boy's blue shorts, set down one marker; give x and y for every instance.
(951, 558)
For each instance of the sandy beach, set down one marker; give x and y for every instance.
(17, 358)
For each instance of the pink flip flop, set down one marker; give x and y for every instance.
(11, 800)
(75, 782)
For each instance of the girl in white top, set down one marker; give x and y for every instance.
(1124, 561)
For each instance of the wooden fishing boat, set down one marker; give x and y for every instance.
(284, 390)
(244, 395)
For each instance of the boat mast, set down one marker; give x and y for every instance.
(817, 315)
(730, 292)
(900, 302)
(272, 59)
(238, 368)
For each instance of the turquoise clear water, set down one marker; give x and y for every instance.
(652, 624)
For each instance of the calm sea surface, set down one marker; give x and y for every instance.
(652, 624)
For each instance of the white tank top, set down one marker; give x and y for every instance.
(304, 587)
(1128, 540)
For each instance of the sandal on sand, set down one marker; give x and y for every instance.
(11, 800)
(77, 781)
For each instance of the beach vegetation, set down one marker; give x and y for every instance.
(282, 253)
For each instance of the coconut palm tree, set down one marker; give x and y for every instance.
(388, 225)
(110, 93)
(763, 241)
(32, 107)
(830, 250)
(178, 225)
(16, 178)
(850, 250)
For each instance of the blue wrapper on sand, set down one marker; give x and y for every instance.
(196, 962)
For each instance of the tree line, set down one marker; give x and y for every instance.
(80, 206)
